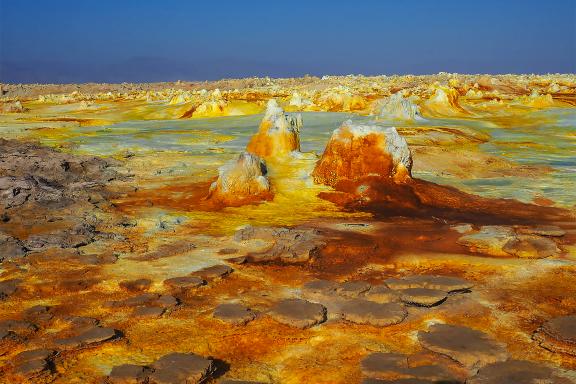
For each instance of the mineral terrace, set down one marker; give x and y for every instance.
(400, 229)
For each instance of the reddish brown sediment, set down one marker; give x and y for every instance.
(420, 198)
(116, 271)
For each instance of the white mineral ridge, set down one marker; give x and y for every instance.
(398, 107)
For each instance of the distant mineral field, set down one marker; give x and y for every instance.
(336, 230)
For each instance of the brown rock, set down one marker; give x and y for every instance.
(184, 283)
(382, 365)
(150, 312)
(38, 313)
(31, 368)
(470, 347)
(558, 335)
(298, 313)
(136, 285)
(136, 301)
(33, 354)
(128, 374)
(423, 297)
(361, 311)
(90, 337)
(178, 368)
(319, 287)
(214, 272)
(517, 372)
(166, 301)
(235, 314)
(352, 289)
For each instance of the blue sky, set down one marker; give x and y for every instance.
(145, 40)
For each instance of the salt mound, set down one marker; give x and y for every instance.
(399, 108)
(341, 99)
(356, 150)
(278, 133)
(241, 181)
(444, 102)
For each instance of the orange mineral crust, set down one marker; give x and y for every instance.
(241, 181)
(132, 250)
(278, 134)
(356, 151)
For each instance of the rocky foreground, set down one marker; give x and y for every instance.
(115, 270)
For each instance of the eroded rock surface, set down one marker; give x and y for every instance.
(470, 347)
(129, 374)
(236, 314)
(558, 334)
(517, 372)
(88, 338)
(214, 272)
(361, 311)
(176, 368)
(298, 313)
(288, 245)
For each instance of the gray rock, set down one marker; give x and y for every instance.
(184, 283)
(178, 368)
(298, 313)
(30, 369)
(286, 244)
(235, 314)
(148, 312)
(378, 364)
(558, 335)
(32, 363)
(470, 347)
(128, 374)
(136, 301)
(352, 289)
(517, 372)
(33, 354)
(89, 337)
(214, 272)
(361, 311)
